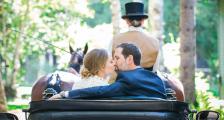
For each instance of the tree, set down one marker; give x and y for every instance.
(102, 12)
(157, 25)
(116, 16)
(26, 25)
(17, 52)
(221, 46)
(3, 107)
(187, 48)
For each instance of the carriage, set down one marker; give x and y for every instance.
(122, 108)
(119, 108)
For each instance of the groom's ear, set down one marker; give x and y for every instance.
(130, 59)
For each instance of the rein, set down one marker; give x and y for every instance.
(43, 41)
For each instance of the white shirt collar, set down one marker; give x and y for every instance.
(139, 29)
(138, 67)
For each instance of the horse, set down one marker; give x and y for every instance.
(59, 80)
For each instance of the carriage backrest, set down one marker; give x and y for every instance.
(8, 116)
(108, 109)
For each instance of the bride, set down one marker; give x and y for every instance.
(97, 66)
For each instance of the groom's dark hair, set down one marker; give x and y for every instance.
(131, 49)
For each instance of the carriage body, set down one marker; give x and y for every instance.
(70, 109)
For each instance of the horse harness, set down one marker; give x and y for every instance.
(170, 93)
(53, 86)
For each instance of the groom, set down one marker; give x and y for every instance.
(132, 80)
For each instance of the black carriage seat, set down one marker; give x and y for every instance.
(8, 116)
(73, 109)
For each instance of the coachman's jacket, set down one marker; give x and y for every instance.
(148, 45)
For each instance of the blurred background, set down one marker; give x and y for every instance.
(35, 37)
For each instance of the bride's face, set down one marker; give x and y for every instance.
(109, 66)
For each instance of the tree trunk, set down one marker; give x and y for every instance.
(157, 22)
(187, 48)
(221, 46)
(116, 16)
(16, 55)
(3, 107)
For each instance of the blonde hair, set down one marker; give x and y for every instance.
(93, 62)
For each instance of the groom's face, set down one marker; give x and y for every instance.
(120, 61)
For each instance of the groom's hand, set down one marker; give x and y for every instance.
(62, 94)
(57, 96)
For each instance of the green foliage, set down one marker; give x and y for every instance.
(206, 32)
(206, 27)
(221, 112)
(45, 21)
(202, 103)
(102, 13)
(15, 107)
(202, 100)
(171, 19)
(205, 100)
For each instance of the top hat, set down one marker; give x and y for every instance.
(134, 9)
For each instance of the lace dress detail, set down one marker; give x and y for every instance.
(92, 81)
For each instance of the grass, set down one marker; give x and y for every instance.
(15, 107)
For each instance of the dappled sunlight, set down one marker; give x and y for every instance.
(171, 55)
(97, 37)
(81, 7)
(201, 83)
(216, 103)
(204, 96)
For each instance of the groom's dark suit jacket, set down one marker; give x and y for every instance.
(134, 83)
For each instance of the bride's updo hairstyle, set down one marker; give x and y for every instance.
(94, 61)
